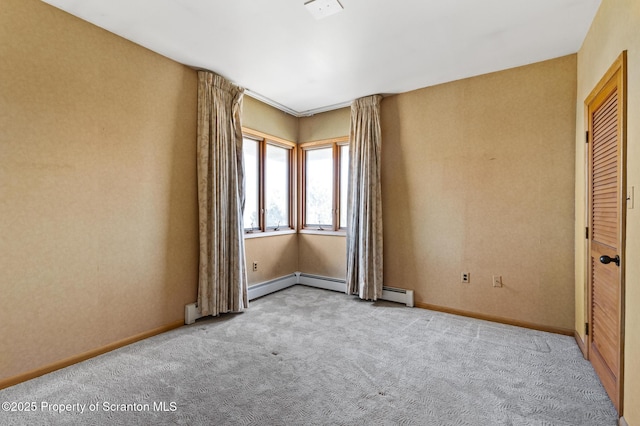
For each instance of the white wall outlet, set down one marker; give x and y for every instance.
(497, 280)
(255, 266)
(465, 277)
(630, 197)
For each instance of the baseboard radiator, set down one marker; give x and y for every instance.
(392, 294)
(191, 312)
(398, 295)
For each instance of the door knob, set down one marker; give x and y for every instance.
(606, 260)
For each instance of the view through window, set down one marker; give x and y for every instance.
(325, 175)
(276, 187)
(319, 187)
(268, 186)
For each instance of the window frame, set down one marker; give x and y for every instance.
(263, 140)
(335, 144)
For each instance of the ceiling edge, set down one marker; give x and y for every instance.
(290, 111)
(272, 103)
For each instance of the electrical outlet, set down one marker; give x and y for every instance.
(497, 280)
(630, 197)
(465, 277)
(255, 266)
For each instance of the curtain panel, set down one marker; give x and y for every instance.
(364, 219)
(222, 282)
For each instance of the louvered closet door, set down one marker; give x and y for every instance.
(606, 223)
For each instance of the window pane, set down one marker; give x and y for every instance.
(277, 187)
(344, 183)
(319, 183)
(250, 151)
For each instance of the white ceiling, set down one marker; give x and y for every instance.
(283, 56)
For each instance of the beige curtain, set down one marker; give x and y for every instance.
(222, 283)
(364, 219)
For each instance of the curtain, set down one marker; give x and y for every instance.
(364, 220)
(222, 281)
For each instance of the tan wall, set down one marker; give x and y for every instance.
(614, 29)
(259, 116)
(277, 256)
(324, 255)
(281, 255)
(477, 176)
(97, 187)
(327, 125)
(98, 200)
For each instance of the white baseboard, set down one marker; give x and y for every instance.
(398, 295)
(268, 287)
(390, 294)
(192, 313)
(326, 283)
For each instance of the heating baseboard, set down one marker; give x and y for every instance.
(391, 294)
(191, 312)
(325, 283)
(268, 287)
(398, 295)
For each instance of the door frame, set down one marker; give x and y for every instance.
(617, 70)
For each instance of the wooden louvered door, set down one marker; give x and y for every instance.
(606, 206)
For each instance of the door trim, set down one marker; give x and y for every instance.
(618, 71)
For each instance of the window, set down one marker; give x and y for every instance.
(251, 154)
(276, 184)
(269, 175)
(319, 187)
(325, 168)
(344, 183)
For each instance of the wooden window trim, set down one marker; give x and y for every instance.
(263, 140)
(334, 144)
(340, 226)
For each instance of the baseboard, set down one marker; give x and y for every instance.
(191, 312)
(398, 295)
(524, 324)
(268, 287)
(622, 422)
(325, 283)
(11, 381)
(581, 344)
(390, 294)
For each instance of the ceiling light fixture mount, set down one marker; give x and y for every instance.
(323, 8)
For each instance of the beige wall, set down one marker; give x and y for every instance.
(323, 255)
(328, 125)
(277, 256)
(98, 201)
(98, 188)
(477, 176)
(259, 116)
(614, 29)
(98, 237)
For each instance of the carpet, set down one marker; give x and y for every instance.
(305, 356)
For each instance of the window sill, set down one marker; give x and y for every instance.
(322, 232)
(260, 234)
